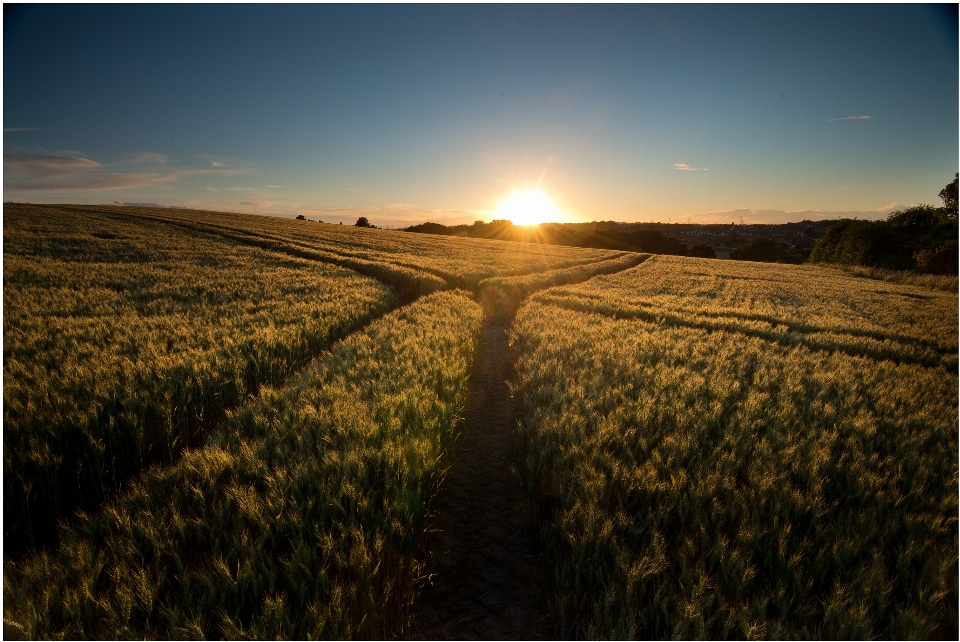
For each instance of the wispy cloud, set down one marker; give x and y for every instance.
(219, 172)
(70, 171)
(398, 206)
(138, 204)
(211, 189)
(274, 186)
(149, 158)
(892, 207)
(393, 217)
(217, 164)
(348, 215)
(45, 163)
(47, 172)
(851, 118)
(786, 216)
(20, 129)
(349, 210)
(686, 167)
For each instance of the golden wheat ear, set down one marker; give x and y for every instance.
(13, 631)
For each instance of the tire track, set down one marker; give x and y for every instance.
(486, 580)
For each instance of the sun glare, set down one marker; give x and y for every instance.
(529, 207)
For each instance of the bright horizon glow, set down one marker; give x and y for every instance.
(529, 207)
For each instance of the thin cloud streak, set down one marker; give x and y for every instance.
(217, 172)
(751, 216)
(380, 216)
(25, 173)
(144, 204)
(393, 217)
(18, 163)
(42, 172)
(851, 118)
(149, 158)
(20, 129)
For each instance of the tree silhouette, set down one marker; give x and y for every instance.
(949, 196)
(362, 222)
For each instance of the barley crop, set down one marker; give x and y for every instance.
(727, 450)
(300, 519)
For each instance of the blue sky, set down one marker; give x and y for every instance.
(405, 114)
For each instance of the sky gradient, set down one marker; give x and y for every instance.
(405, 114)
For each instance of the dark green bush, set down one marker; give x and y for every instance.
(917, 238)
(766, 250)
(702, 251)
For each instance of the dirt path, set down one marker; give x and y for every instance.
(486, 580)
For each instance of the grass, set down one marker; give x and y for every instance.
(300, 519)
(726, 450)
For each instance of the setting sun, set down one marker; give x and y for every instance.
(529, 207)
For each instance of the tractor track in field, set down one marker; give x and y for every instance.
(486, 579)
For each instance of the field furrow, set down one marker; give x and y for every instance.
(483, 560)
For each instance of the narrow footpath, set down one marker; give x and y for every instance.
(486, 580)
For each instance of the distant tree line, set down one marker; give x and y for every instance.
(653, 241)
(921, 238)
(605, 236)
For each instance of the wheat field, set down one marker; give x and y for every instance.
(125, 341)
(460, 262)
(741, 450)
(231, 426)
(300, 518)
